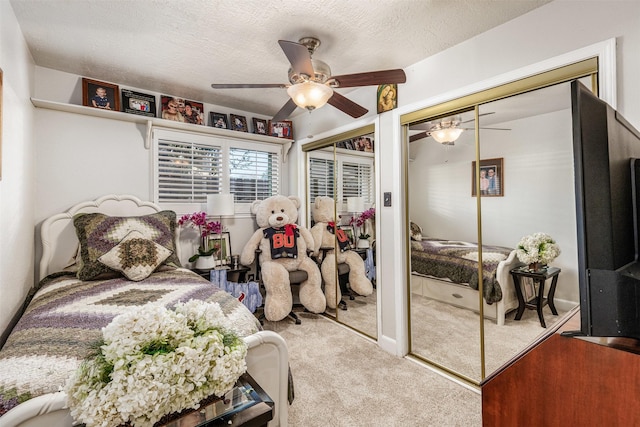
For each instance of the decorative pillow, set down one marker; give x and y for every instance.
(416, 231)
(99, 233)
(135, 256)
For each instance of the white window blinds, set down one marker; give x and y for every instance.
(357, 181)
(189, 166)
(321, 181)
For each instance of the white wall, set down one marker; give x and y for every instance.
(83, 157)
(17, 184)
(555, 29)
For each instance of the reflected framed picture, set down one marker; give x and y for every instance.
(218, 120)
(222, 247)
(491, 178)
(281, 129)
(348, 230)
(238, 123)
(260, 126)
(102, 95)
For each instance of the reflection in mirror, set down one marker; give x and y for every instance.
(537, 182)
(525, 179)
(345, 172)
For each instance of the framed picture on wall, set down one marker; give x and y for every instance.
(281, 129)
(387, 97)
(260, 126)
(139, 103)
(491, 178)
(102, 95)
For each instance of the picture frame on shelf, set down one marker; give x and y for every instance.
(193, 112)
(348, 230)
(260, 126)
(238, 123)
(101, 95)
(281, 129)
(142, 104)
(222, 241)
(218, 120)
(491, 178)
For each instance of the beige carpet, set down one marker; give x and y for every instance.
(450, 336)
(344, 379)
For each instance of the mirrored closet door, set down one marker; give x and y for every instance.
(482, 174)
(342, 168)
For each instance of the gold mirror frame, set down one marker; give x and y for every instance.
(473, 102)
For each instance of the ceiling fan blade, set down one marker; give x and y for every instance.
(285, 111)
(370, 78)
(247, 85)
(479, 115)
(347, 106)
(299, 57)
(418, 136)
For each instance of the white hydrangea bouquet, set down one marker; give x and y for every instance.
(153, 362)
(537, 248)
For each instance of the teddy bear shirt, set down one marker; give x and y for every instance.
(341, 237)
(283, 241)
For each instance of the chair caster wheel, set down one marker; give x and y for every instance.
(342, 305)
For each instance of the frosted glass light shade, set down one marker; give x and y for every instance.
(447, 135)
(310, 95)
(220, 204)
(355, 204)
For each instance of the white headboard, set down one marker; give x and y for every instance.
(59, 239)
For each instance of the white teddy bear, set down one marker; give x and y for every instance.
(324, 237)
(283, 247)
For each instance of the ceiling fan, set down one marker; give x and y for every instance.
(445, 130)
(311, 84)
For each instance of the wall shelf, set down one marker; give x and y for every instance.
(156, 122)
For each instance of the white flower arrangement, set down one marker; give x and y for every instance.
(538, 247)
(154, 362)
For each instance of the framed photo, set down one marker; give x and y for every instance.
(281, 129)
(238, 123)
(97, 94)
(387, 97)
(218, 120)
(181, 110)
(139, 103)
(348, 230)
(222, 246)
(260, 126)
(364, 143)
(491, 178)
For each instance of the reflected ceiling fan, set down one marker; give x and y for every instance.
(446, 130)
(311, 84)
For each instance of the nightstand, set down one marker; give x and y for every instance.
(535, 301)
(233, 274)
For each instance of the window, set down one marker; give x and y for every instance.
(354, 177)
(189, 166)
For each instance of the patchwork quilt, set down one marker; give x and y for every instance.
(65, 318)
(458, 262)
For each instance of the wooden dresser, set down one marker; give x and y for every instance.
(566, 381)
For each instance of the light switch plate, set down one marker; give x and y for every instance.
(387, 199)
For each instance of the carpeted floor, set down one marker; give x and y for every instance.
(344, 379)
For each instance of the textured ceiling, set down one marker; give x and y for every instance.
(181, 47)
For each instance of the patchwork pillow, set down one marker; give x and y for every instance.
(135, 256)
(99, 233)
(416, 231)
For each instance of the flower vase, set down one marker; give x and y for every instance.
(363, 243)
(536, 267)
(205, 262)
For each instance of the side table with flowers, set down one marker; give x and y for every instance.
(537, 250)
(361, 222)
(205, 258)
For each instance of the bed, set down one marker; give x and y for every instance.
(447, 271)
(37, 356)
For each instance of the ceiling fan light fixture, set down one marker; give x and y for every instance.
(447, 136)
(310, 95)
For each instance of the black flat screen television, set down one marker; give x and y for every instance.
(607, 182)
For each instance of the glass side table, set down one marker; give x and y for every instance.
(245, 405)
